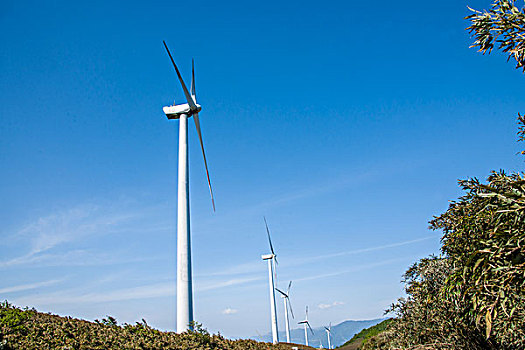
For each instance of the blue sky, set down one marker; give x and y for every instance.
(345, 123)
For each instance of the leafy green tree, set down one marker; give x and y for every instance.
(473, 297)
(484, 241)
(12, 317)
(503, 25)
(425, 317)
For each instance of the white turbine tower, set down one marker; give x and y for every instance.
(272, 260)
(184, 277)
(329, 334)
(286, 299)
(306, 326)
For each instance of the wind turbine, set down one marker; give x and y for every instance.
(329, 334)
(306, 326)
(272, 259)
(286, 299)
(184, 276)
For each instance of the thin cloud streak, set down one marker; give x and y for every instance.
(360, 176)
(142, 292)
(73, 225)
(29, 286)
(238, 269)
(156, 290)
(252, 267)
(78, 257)
(354, 269)
(227, 283)
(370, 249)
(307, 192)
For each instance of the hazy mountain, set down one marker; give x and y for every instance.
(341, 333)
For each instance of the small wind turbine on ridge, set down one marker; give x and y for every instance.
(286, 299)
(306, 326)
(271, 258)
(329, 334)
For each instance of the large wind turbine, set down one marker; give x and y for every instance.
(184, 277)
(306, 326)
(286, 299)
(329, 334)
(272, 259)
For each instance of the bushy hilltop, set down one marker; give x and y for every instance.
(30, 329)
(473, 296)
(363, 337)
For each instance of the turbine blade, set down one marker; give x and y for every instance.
(280, 291)
(192, 89)
(268, 232)
(290, 304)
(198, 126)
(308, 323)
(193, 107)
(289, 285)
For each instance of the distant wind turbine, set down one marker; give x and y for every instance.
(306, 326)
(271, 274)
(329, 334)
(274, 261)
(184, 276)
(286, 299)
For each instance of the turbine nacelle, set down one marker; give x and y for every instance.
(267, 256)
(175, 111)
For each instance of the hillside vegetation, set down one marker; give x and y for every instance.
(361, 338)
(29, 329)
(472, 297)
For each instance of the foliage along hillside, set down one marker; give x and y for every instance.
(29, 329)
(472, 297)
(340, 333)
(362, 337)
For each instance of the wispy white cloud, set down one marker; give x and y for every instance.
(41, 236)
(150, 291)
(68, 225)
(253, 267)
(369, 173)
(29, 286)
(369, 249)
(328, 306)
(237, 269)
(250, 280)
(229, 311)
(353, 269)
(70, 297)
(77, 257)
(226, 283)
(316, 190)
(312, 190)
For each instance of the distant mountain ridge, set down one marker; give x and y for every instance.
(341, 333)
